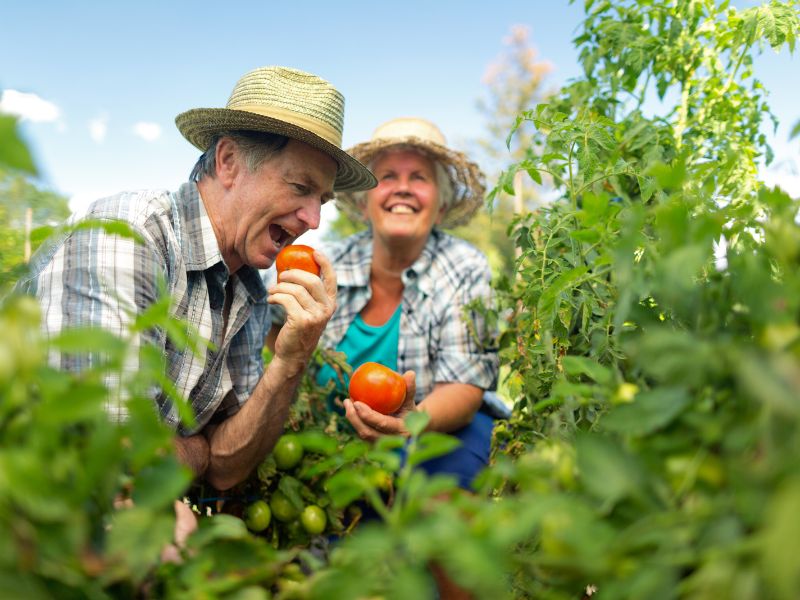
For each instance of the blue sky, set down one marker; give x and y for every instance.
(106, 79)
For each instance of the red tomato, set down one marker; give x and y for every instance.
(296, 256)
(378, 387)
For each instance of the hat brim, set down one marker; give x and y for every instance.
(469, 182)
(200, 125)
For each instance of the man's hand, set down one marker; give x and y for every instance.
(370, 424)
(309, 302)
(185, 525)
(241, 442)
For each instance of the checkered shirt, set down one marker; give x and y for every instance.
(436, 340)
(94, 278)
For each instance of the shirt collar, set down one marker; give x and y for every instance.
(353, 265)
(197, 238)
(199, 243)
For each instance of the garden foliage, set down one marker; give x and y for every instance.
(651, 333)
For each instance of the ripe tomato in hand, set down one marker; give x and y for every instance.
(378, 387)
(296, 256)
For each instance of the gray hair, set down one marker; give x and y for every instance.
(255, 146)
(444, 183)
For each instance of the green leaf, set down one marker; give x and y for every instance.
(137, 537)
(86, 339)
(547, 302)
(606, 471)
(159, 484)
(795, 131)
(13, 152)
(346, 486)
(292, 488)
(317, 441)
(432, 444)
(16, 584)
(649, 411)
(416, 422)
(781, 541)
(110, 226)
(221, 527)
(581, 365)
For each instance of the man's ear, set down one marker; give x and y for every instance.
(227, 161)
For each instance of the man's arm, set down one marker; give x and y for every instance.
(241, 442)
(192, 452)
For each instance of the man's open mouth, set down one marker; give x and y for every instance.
(280, 236)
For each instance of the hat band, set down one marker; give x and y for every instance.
(326, 132)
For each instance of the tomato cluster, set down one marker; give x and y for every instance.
(289, 510)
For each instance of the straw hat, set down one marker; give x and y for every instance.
(288, 102)
(466, 177)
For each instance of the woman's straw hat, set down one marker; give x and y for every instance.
(288, 102)
(466, 177)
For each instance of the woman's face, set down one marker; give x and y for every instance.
(405, 204)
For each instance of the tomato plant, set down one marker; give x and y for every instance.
(296, 256)
(257, 516)
(313, 519)
(378, 387)
(288, 451)
(282, 508)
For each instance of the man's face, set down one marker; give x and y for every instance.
(278, 202)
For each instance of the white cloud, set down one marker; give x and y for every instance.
(98, 127)
(149, 132)
(29, 106)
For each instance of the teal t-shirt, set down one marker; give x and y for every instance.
(363, 343)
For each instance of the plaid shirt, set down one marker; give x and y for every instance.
(436, 341)
(93, 278)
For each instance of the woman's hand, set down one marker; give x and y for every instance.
(370, 424)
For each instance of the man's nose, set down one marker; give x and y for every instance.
(310, 214)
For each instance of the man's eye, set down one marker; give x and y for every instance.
(300, 188)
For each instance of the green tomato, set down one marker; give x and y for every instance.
(257, 516)
(282, 508)
(288, 451)
(313, 519)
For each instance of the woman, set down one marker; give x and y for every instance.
(403, 286)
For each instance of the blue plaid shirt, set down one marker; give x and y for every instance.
(436, 341)
(93, 278)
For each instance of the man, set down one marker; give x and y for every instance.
(271, 157)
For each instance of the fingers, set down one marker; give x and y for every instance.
(370, 424)
(322, 288)
(309, 303)
(411, 392)
(185, 523)
(327, 273)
